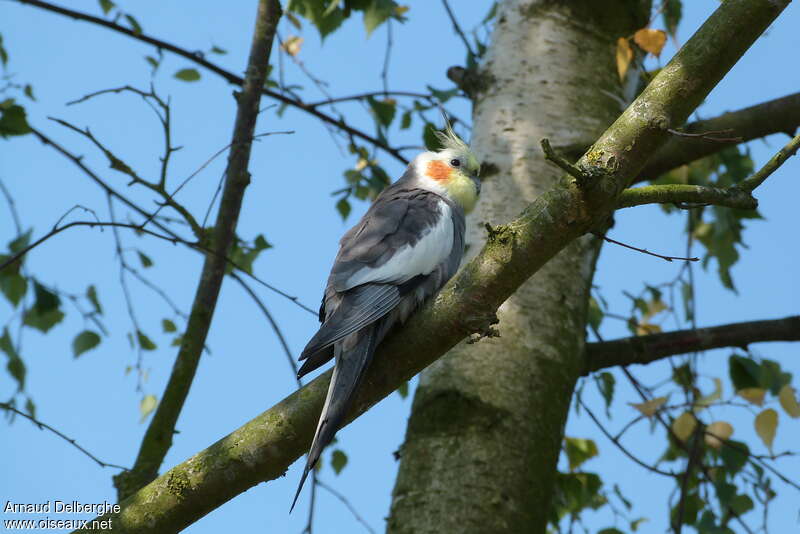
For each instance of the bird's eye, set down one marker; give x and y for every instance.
(455, 163)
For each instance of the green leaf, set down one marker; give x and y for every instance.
(683, 376)
(326, 20)
(146, 406)
(595, 314)
(145, 342)
(14, 286)
(377, 13)
(15, 365)
(219, 51)
(145, 259)
(734, 455)
(605, 382)
(429, 137)
(106, 6)
(405, 120)
(91, 294)
(86, 340)
(403, 390)
(154, 63)
(135, 26)
(168, 326)
(744, 372)
(28, 90)
(578, 451)
(343, 207)
(575, 492)
(19, 243)
(188, 75)
(260, 243)
(3, 53)
(13, 120)
(672, 15)
(693, 503)
(610, 530)
(45, 312)
(443, 96)
(338, 461)
(383, 110)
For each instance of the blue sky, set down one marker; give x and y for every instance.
(289, 201)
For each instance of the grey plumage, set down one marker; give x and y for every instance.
(404, 249)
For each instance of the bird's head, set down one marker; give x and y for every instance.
(451, 171)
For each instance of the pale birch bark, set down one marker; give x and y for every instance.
(487, 420)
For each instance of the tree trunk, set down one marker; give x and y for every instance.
(487, 420)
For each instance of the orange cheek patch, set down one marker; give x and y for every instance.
(438, 170)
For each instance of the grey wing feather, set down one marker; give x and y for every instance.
(360, 307)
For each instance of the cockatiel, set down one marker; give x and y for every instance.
(402, 251)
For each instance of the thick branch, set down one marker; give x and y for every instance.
(687, 194)
(158, 438)
(773, 116)
(263, 448)
(235, 79)
(646, 349)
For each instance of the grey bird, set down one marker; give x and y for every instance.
(402, 251)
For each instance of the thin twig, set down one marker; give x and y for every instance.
(274, 325)
(749, 184)
(173, 240)
(346, 502)
(235, 79)
(708, 135)
(551, 156)
(644, 250)
(45, 426)
(457, 28)
(620, 446)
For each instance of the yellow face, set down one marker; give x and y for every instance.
(456, 173)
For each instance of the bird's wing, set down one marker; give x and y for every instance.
(403, 237)
(405, 233)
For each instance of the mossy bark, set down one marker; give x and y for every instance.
(487, 420)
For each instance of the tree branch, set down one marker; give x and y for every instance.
(216, 69)
(771, 166)
(773, 116)
(687, 194)
(263, 448)
(646, 349)
(158, 437)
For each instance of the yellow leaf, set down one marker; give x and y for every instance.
(752, 395)
(684, 425)
(650, 40)
(292, 45)
(624, 56)
(645, 329)
(401, 10)
(650, 407)
(146, 406)
(705, 402)
(789, 401)
(717, 432)
(766, 424)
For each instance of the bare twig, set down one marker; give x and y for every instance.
(273, 324)
(216, 69)
(620, 446)
(710, 135)
(457, 28)
(749, 184)
(644, 250)
(551, 156)
(45, 426)
(346, 502)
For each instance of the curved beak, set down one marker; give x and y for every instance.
(477, 182)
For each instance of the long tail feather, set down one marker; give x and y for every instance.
(350, 366)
